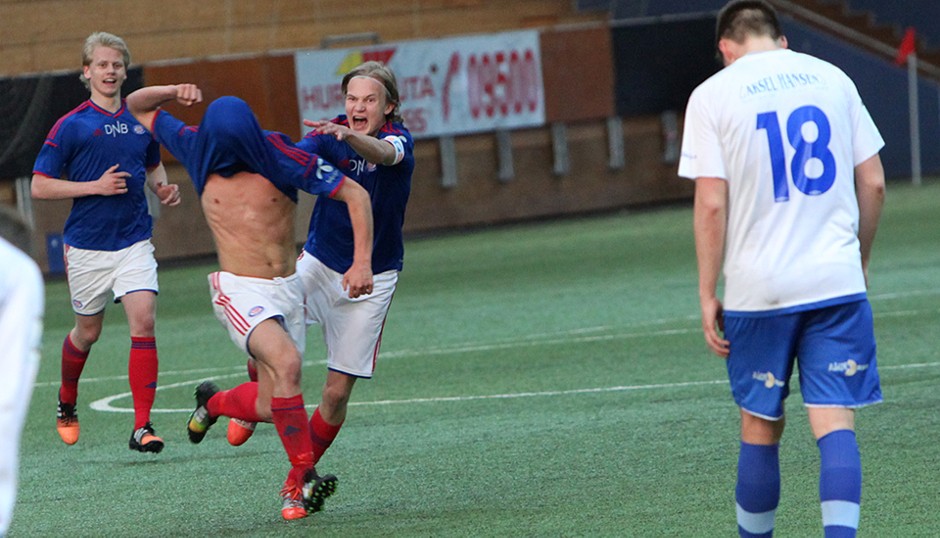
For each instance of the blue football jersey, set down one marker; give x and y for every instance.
(330, 236)
(229, 140)
(81, 146)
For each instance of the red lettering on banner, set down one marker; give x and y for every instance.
(503, 83)
(415, 88)
(416, 119)
(453, 69)
(322, 97)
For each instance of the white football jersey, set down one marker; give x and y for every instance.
(785, 130)
(22, 304)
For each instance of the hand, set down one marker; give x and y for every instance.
(112, 182)
(328, 127)
(188, 94)
(358, 280)
(169, 194)
(712, 322)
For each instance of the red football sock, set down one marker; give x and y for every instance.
(252, 370)
(290, 419)
(142, 372)
(73, 362)
(238, 402)
(322, 434)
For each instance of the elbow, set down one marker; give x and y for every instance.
(35, 188)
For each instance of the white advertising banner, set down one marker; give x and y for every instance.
(447, 86)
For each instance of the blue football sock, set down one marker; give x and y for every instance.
(758, 489)
(840, 483)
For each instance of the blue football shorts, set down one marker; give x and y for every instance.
(833, 348)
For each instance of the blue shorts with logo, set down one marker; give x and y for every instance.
(833, 348)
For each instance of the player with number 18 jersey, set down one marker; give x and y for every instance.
(791, 243)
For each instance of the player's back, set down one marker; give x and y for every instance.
(792, 129)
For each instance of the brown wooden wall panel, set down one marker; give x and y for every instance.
(265, 82)
(44, 35)
(578, 74)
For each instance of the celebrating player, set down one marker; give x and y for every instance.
(247, 180)
(371, 145)
(789, 188)
(101, 158)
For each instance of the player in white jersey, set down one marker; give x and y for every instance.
(789, 189)
(22, 303)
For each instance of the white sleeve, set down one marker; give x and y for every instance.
(22, 304)
(701, 154)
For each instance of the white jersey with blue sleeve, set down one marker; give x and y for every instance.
(785, 130)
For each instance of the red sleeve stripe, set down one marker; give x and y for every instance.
(292, 152)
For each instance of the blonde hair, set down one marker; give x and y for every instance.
(102, 39)
(384, 76)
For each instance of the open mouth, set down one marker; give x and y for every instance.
(359, 123)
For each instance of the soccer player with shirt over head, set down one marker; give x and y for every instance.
(102, 158)
(788, 193)
(371, 145)
(247, 180)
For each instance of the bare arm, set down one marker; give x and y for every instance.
(145, 102)
(870, 190)
(110, 183)
(358, 279)
(368, 147)
(710, 222)
(159, 184)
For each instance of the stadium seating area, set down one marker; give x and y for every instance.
(923, 15)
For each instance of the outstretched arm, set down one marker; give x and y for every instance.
(370, 148)
(358, 279)
(145, 102)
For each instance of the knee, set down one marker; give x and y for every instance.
(287, 375)
(335, 396)
(85, 336)
(143, 326)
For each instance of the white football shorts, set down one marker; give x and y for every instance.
(92, 274)
(352, 328)
(241, 303)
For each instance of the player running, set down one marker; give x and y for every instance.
(102, 158)
(371, 145)
(247, 180)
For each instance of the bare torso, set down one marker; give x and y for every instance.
(252, 223)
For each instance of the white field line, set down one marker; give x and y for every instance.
(574, 336)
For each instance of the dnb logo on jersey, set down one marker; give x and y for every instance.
(255, 311)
